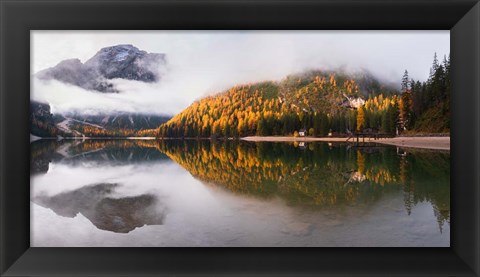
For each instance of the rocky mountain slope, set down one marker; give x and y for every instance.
(46, 124)
(116, 62)
(120, 61)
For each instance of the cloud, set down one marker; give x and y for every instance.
(205, 62)
(135, 97)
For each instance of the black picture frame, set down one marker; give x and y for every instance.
(18, 17)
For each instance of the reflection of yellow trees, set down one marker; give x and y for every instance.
(360, 162)
(317, 175)
(94, 144)
(297, 176)
(377, 174)
(115, 145)
(380, 176)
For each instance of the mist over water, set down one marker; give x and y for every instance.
(203, 193)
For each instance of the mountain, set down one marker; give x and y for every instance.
(113, 124)
(123, 120)
(46, 124)
(115, 62)
(313, 99)
(120, 61)
(42, 122)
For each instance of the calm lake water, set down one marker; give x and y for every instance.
(228, 193)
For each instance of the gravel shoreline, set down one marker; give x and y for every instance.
(437, 142)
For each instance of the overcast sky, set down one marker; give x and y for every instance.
(203, 62)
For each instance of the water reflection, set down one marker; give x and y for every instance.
(314, 179)
(319, 175)
(95, 202)
(77, 152)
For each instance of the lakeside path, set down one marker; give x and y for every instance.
(438, 143)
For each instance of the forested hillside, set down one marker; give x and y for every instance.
(431, 99)
(320, 102)
(314, 100)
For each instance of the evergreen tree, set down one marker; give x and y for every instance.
(405, 81)
(406, 111)
(434, 67)
(261, 127)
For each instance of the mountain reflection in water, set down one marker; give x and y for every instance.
(311, 177)
(120, 215)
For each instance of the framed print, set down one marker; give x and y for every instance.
(305, 160)
(230, 138)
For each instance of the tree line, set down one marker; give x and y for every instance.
(313, 104)
(419, 107)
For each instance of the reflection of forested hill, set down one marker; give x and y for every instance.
(312, 175)
(112, 152)
(318, 175)
(426, 177)
(42, 152)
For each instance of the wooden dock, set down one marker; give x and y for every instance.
(369, 135)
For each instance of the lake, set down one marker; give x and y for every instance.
(154, 193)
